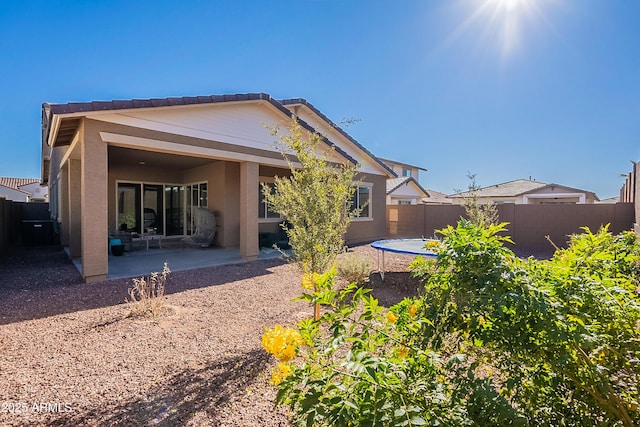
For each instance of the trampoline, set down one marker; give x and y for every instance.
(401, 246)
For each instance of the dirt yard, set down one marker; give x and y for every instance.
(69, 355)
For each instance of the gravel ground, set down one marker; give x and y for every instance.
(71, 356)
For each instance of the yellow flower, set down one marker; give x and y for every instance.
(403, 351)
(283, 343)
(310, 280)
(431, 244)
(391, 317)
(413, 310)
(281, 373)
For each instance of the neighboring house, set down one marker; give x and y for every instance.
(406, 188)
(141, 164)
(523, 191)
(23, 190)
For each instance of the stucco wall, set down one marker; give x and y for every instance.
(368, 230)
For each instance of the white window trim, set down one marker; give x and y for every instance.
(369, 185)
(267, 180)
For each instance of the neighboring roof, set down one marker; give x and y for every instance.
(575, 190)
(395, 162)
(436, 194)
(436, 197)
(76, 109)
(302, 101)
(394, 183)
(516, 188)
(615, 199)
(16, 183)
(506, 189)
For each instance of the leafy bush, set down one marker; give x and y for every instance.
(147, 294)
(315, 200)
(494, 340)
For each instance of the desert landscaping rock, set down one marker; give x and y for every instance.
(71, 356)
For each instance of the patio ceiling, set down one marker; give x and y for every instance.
(130, 157)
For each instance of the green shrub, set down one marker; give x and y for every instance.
(494, 340)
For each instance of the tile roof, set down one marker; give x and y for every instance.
(518, 187)
(433, 194)
(302, 101)
(506, 189)
(83, 107)
(395, 183)
(395, 162)
(16, 183)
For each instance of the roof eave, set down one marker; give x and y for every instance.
(314, 110)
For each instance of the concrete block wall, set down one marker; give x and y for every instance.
(528, 224)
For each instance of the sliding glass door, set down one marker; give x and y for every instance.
(129, 207)
(197, 196)
(164, 209)
(174, 203)
(152, 209)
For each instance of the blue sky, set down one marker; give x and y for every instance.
(504, 89)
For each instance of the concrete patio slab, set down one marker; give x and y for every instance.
(141, 262)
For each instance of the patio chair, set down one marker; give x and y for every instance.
(205, 228)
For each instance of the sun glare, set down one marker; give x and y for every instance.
(501, 25)
(509, 5)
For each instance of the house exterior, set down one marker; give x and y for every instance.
(150, 164)
(405, 189)
(23, 190)
(528, 192)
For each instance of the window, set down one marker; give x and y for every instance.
(362, 200)
(404, 202)
(406, 172)
(129, 207)
(197, 197)
(264, 211)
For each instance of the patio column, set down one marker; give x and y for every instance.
(63, 204)
(94, 205)
(75, 207)
(249, 182)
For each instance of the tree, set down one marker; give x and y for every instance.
(482, 214)
(316, 202)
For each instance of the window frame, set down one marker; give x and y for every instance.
(369, 187)
(266, 219)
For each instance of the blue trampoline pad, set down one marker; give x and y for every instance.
(401, 246)
(404, 246)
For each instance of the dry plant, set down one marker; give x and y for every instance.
(354, 268)
(147, 294)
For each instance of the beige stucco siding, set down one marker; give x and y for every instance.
(94, 191)
(366, 230)
(238, 125)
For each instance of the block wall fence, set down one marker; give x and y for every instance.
(528, 224)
